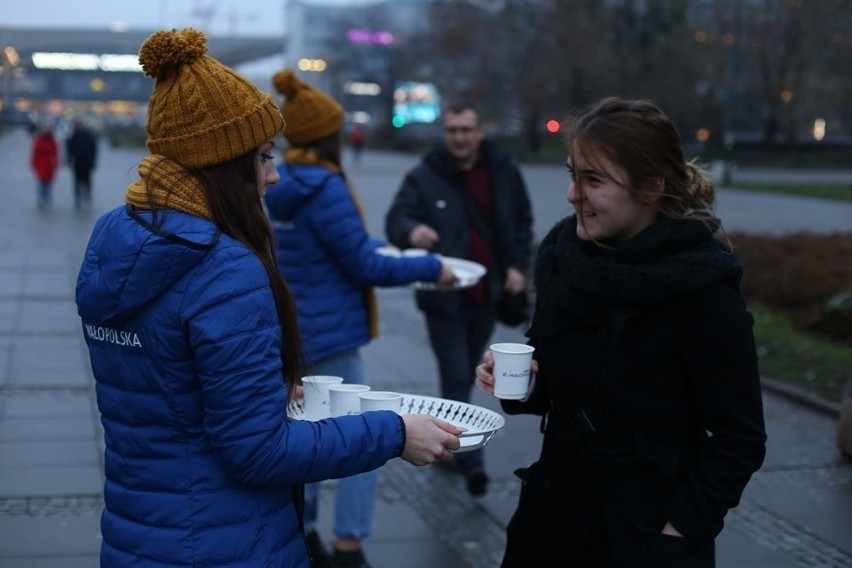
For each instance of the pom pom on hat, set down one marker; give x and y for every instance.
(310, 113)
(202, 112)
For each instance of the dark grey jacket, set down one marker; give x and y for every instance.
(432, 193)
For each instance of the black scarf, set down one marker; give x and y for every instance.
(577, 279)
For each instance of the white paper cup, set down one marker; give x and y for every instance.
(511, 369)
(380, 400)
(343, 398)
(316, 395)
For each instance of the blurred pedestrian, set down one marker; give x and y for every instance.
(194, 344)
(44, 161)
(358, 139)
(331, 263)
(81, 149)
(466, 199)
(645, 364)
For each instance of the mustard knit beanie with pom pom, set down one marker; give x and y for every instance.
(310, 113)
(201, 112)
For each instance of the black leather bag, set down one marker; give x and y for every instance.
(513, 309)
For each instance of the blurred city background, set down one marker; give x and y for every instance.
(757, 81)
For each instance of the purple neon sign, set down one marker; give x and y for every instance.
(367, 36)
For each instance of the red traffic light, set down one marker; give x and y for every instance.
(552, 126)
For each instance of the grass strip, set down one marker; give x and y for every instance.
(834, 191)
(786, 354)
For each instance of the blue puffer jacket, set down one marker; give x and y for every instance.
(328, 258)
(201, 461)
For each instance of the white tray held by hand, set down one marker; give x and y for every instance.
(480, 423)
(469, 273)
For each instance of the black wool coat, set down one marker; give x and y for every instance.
(649, 387)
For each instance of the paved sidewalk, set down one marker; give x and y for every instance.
(797, 512)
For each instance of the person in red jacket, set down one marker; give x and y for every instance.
(358, 138)
(44, 160)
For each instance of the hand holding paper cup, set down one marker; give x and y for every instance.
(343, 399)
(380, 400)
(511, 369)
(315, 388)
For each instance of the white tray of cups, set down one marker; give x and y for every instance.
(480, 423)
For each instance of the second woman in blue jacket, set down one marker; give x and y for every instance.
(331, 263)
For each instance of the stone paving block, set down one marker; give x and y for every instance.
(823, 510)
(398, 533)
(411, 553)
(11, 282)
(50, 259)
(47, 316)
(44, 481)
(5, 361)
(10, 311)
(71, 377)
(50, 282)
(50, 537)
(60, 561)
(49, 404)
(13, 259)
(735, 550)
(51, 352)
(47, 429)
(49, 454)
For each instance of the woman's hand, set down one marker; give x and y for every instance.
(428, 439)
(485, 373)
(447, 277)
(484, 377)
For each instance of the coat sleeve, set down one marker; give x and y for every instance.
(405, 212)
(236, 341)
(722, 370)
(339, 227)
(523, 223)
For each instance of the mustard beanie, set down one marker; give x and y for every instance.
(201, 112)
(310, 113)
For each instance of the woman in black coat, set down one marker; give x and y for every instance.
(646, 374)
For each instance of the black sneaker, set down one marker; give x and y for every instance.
(319, 555)
(477, 482)
(349, 559)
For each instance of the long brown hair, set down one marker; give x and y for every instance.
(237, 210)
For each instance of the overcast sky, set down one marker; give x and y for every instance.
(216, 17)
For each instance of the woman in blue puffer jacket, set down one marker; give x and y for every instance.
(332, 265)
(194, 344)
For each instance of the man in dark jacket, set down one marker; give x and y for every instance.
(466, 199)
(81, 150)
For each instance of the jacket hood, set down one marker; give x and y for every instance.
(298, 184)
(130, 262)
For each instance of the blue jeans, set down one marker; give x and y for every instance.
(354, 503)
